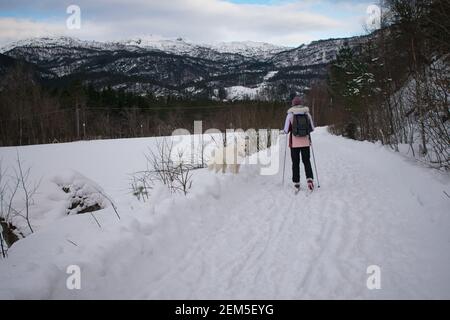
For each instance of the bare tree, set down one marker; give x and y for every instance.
(2, 192)
(3, 247)
(176, 175)
(159, 162)
(29, 190)
(9, 188)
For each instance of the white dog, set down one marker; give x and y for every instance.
(230, 157)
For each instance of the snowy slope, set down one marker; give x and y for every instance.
(243, 236)
(259, 50)
(250, 49)
(316, 52)
(246, 93)
(66, 42)
(242, 93)
(178, 46)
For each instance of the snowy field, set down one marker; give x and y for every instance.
(242, 236)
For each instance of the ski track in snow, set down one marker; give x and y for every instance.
(249, 237)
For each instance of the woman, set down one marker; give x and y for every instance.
(299, 144)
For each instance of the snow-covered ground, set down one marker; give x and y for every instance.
(242, 93)
(246, 93)
(254, 49)
(237, 236)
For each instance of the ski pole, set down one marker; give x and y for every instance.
(314, 159)
(284, 162)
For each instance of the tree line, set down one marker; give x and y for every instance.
(395, 89)
(34, 113)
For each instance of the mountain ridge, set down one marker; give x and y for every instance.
(181, 68)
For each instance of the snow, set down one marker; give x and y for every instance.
(241, 236)
(316, 52)
(260, 50)
(176, 46)
(251, 49)
(408, 132)
(246, 93)
(61, 41)
(242, 93)
(179, 46)
(270, 75)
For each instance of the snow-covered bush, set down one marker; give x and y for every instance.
(8, 235)
(84, 195)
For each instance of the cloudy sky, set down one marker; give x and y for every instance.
(282, 22)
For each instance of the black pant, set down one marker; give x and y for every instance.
(295, 155)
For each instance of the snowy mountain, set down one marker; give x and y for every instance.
(315, 53)
(62, 41)
(8, 64)
(178, 46)
(259, 50)
(179, 67)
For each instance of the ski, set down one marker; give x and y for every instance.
(307, 191)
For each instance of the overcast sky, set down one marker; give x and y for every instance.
(282, 22)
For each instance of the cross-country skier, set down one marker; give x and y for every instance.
(299, 124)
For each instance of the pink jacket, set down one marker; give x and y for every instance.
(297, 142)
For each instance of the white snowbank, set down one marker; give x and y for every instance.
(241, 236)
(247, 93)
(242, 93)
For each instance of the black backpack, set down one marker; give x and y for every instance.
(301, 126)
